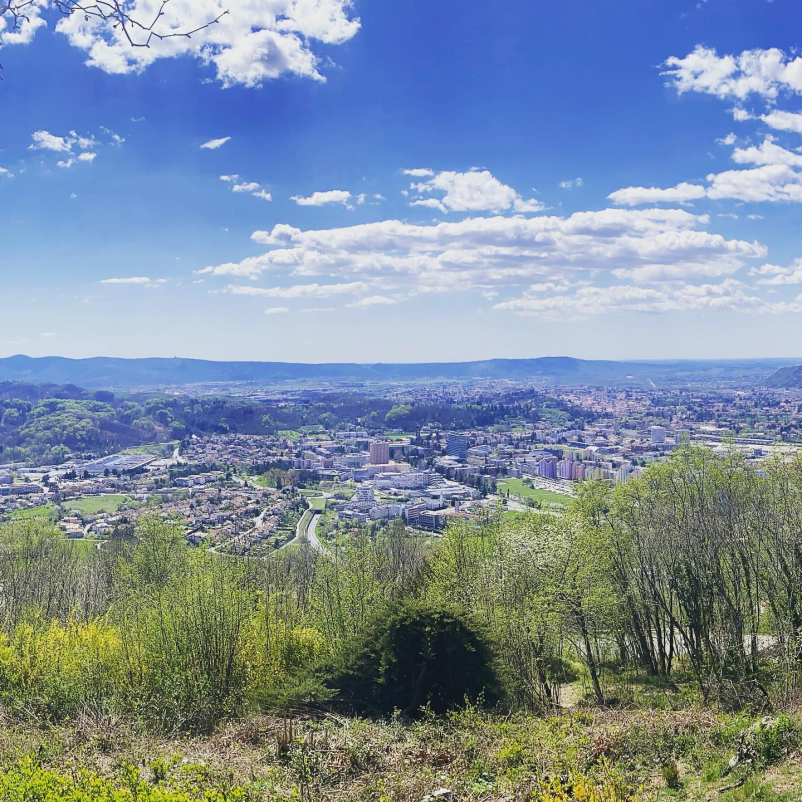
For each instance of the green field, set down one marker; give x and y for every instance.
(317, 504)
(518, 488)
(43, 511)
(289, 434)
(92, 505)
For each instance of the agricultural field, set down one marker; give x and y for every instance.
(92, 505)
(31, 513)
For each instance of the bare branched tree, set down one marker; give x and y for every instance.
(138, 33)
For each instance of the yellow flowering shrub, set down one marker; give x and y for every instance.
(27, 782)
(575, 787)
(55, 667)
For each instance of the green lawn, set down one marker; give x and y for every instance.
(317, 504)
(43, 511)
(92, 505)
(289, 434)
(518, 488)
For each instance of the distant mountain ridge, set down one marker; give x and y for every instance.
(118, 373)
(786, 378)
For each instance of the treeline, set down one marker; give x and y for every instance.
(50, 423)
(690, 575)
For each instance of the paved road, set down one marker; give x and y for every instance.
(305, 534)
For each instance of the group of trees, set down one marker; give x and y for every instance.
(691, 574)
(51, 422)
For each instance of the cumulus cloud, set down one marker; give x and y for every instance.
(776, 275)
(395, 258)
(753, 72)
(327, 198)
(783, 121)
(776, 176)
(74, 147)
(636, 196)
(256, 41)
(214, 144)
(249, 187)
(472, 191)
(27, 26)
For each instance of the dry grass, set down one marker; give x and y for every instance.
(478, 756)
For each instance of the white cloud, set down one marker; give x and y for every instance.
(418, 172)
(729, 295)
(258, 40)
(571, 183)
(767, 153)
(250, 187)
(277, 310)
(301, 290)
(775, 275)
(132, 280)
(472, 191)
(784, 121)
(28, 24)
(6, 173)
(727, 140)
(636, 196)
(116, 139)
(214, 144)
(327, 198)
(773, 179)
(77, 148)
(372, 300)
(760, 72)
(486, 253)
(49, 334)
(772, 182)
(44, 140)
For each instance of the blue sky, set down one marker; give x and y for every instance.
(389, 181)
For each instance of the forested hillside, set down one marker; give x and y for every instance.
(626, 650)
(51, 422)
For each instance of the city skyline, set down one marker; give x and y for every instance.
(355, 183)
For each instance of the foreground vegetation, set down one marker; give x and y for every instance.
(627, 650)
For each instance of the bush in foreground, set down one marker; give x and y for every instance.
(413, 656)
(28, 782)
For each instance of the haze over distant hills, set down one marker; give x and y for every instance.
(787, 377)
(113, 372)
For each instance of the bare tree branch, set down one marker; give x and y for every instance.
(138, 33)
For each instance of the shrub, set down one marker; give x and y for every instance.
(413, 656)
(28, 782)
(53, 669)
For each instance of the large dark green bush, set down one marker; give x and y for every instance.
(414, 655)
